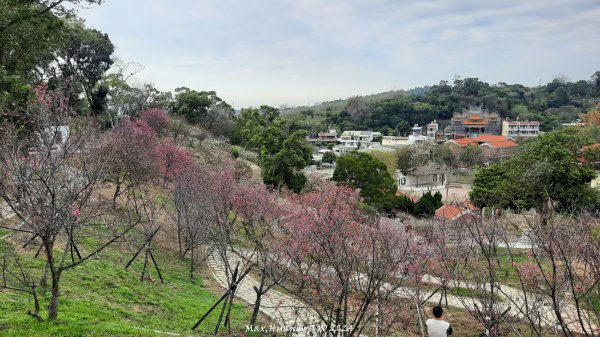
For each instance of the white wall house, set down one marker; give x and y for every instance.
(432, 128)
(520, 129)
(349, 141)
(363, 136)
(394, 141)
(421, 179)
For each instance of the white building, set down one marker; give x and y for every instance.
(422, 179)
(394, 141)
(417, 130)
(414, 139)
(432, 128)
(520, 129)
(353, 140)
(577, 123)
(362, 136)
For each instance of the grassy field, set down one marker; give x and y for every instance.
(101, 298)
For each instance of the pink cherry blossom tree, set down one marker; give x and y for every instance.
(259, 213)
(129, 149)
(344, 260)
(157, 119)
(171, 159)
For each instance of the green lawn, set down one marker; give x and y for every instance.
(101, 298)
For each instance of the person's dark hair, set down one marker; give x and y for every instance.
(438, 311)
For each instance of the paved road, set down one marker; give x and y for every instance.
(514, 298)
(286, 311)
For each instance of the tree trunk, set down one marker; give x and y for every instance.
(192, 263)
(256, 309)
(181, 253)
(117, 192)
(36, 304)
(53, 307)
(259, 293)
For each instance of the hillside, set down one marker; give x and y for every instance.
(393, 112)
(102, 298)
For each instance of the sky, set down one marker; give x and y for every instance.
(301, 52)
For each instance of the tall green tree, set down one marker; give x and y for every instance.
(329, 157)
(201, 107)
(547, 175)
(368, 174)
(471, 156)
(28, 38)
(251, 128)
(282, 151)
(428, 204)
(283, 166)
(402, 128)
(596, 80)
(86, 57)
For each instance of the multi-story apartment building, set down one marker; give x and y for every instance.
(325, 137)
(353, 140)
(432, 128)
(520, 129)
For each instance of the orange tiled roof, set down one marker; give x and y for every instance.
(448, 212)
(470, 122)
(491, 138)
(502, 144)
(454, 211)
(592, 146)
(470, 205)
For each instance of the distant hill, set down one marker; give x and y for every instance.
(370, 98)
(394, 112)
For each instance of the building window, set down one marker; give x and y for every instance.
(403, 181)
(435, 177)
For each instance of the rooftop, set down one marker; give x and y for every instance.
(501, 144)
(524, 123)
(494, 141)
(452, 212)
(491, 138)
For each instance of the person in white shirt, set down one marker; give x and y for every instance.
(437, 327)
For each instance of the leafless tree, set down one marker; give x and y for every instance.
(187, 195)
(469, 251)
(145, 208)
(14, 277)
(49, 180)
(562, 270)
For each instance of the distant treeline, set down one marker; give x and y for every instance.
(392, 113)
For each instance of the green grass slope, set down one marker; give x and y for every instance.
(101, 298)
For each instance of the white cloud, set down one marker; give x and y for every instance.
(286, 51)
